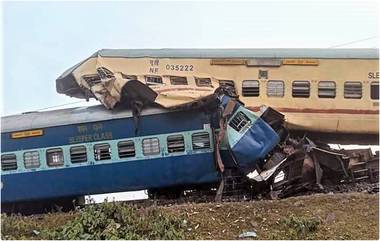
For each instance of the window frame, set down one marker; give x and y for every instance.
(174, 150)
(247, 93)
(276, 81)
(326, 88)
(109, 151)
(126, 141)
(61, 155)
(78, 146)
(197, 82)
(298, 82)
(31, 167)
(353, 82)
(145, 153)
(15, 159)
(228, 83)
(375, 82)
(196, 148)
(153, 83)
(172, 82)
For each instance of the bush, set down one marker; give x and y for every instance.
(299, 227)
(120, 221)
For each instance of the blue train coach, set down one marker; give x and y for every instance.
(66, 154)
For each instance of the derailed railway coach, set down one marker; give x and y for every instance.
(330, 94)
(57, 157)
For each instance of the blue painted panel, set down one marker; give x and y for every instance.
(115, 177)
(111, 129)
(255, 144)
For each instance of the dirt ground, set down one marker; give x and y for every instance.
(318, 216)
(336, 216)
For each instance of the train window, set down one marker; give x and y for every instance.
(78, 154)
(203, 82)
(250, 88)
(31, 159)
(54, 157)
(229, 83)
(126, 149)
(275, 88)
(326, 89)
(375, 90)
(239, 121)
(92, 79)
(130, 77)
(201, 140)
(151, 146)
(176, 80)
(153, 80)
(353, 90)
(8, 162)
(301, 89)
(176, 143)
(102, 152)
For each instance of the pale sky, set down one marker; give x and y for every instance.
(43, 39)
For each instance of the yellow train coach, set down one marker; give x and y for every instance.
(332, 94)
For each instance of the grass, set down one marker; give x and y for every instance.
(322, 216)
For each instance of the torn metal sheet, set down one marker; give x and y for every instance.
(114, 80)
(264, 175)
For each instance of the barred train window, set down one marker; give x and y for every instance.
(176, 143)
(8, 162)
(126, 149)
(230, 83)
(275, 88)
(239, 121)
(151, 146)
(130, 77)
(54, 157)
(250, 88)
(202, 81)
(301, 89)
(200, 140)
(78, 154)
(375, 90)
(31, 159)
(353, 90)
(326, 89)
(92, 79)
(102, 152)
(176, 80)
(153, 80)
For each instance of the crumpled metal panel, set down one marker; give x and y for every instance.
(106, 78)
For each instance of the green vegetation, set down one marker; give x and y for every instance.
(300, 227)
(109, 220)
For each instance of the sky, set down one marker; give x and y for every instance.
(41, 40)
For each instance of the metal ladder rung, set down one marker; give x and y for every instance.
(361, 170)
(360, 178)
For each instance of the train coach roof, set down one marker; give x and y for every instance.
(34, 120)
(365, 53)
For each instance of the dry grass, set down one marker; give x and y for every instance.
(321, 216)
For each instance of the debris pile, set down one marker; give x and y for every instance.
(301, 166)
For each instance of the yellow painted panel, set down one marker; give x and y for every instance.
(30, 133)
(300, 62)
(228, 61)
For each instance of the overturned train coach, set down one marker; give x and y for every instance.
(62, 155)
